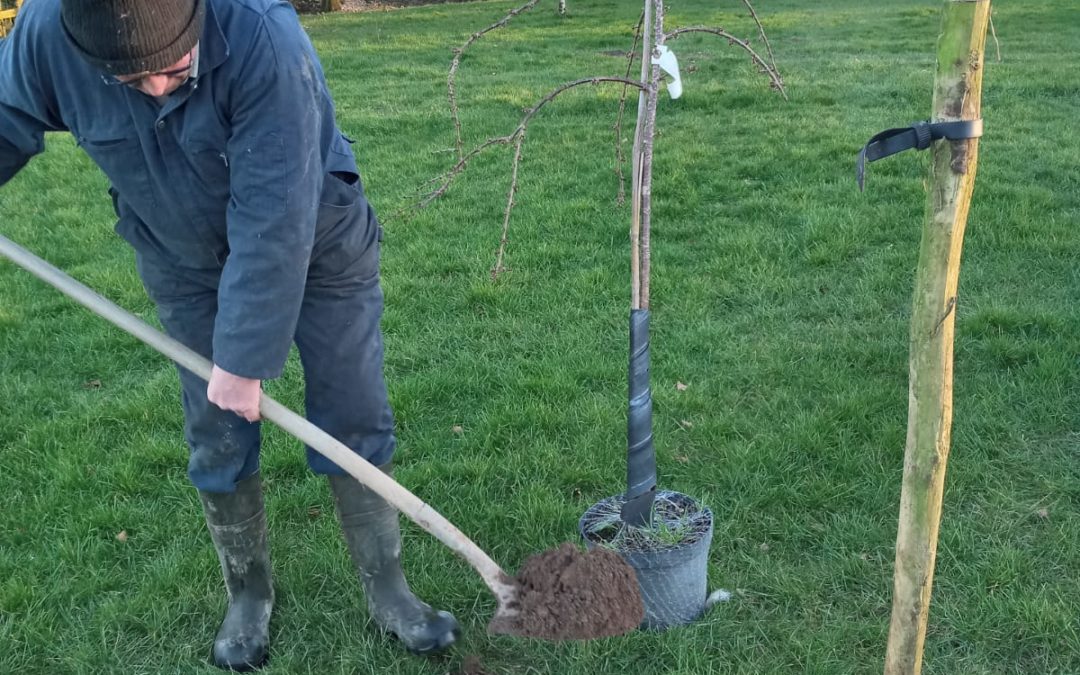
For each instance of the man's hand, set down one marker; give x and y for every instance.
(234, 393)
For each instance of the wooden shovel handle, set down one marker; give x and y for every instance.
(397, 496)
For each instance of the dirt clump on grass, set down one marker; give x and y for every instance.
(471, 666)
(570, 594)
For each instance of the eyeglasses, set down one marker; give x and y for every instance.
(136, 80)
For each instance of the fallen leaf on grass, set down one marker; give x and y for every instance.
(719, 595)
(314, 512)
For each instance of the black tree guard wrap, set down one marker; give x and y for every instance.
(641, 455)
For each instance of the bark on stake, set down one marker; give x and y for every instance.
(957, 96)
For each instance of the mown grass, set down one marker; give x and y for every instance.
(780, 298)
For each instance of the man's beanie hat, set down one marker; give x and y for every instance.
(125, 37)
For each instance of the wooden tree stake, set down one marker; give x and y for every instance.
(957, 96)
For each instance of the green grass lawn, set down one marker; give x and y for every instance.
(781, 297)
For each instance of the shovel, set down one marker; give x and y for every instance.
(502, 586)
(559, 594)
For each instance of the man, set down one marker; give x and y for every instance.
(244, 205)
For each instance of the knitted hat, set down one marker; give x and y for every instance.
(126, 37)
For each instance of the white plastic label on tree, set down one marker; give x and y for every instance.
(665, 58)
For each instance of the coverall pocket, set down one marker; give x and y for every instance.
(346, 246)
(210, 165)
(122, 161)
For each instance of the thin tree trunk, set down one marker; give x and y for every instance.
(641, 453)
(648, 136)
(957, 96)
(639, 129)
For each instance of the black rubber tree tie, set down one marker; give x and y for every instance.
(917, 136)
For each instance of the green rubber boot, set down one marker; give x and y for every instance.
(373, 537)
(237, 524)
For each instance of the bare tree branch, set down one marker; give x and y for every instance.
(495, 271)
(451, 81)
(777, 81)
(450, 175)
(446, 179)
(997, 45)
(650, 33)
(761, 32)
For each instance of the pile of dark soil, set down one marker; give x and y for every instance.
(570, 594)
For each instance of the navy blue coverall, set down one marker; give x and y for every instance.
(244, 205)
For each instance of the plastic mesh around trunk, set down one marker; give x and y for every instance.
(672, 577)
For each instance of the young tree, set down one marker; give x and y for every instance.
(656, 60)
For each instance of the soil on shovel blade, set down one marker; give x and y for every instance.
(570, 594)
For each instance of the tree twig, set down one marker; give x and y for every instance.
(774, 75)
(761, 32)
(451, 80)
(650, 32)
(993, 33)
(495, 271)
(450, 175)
